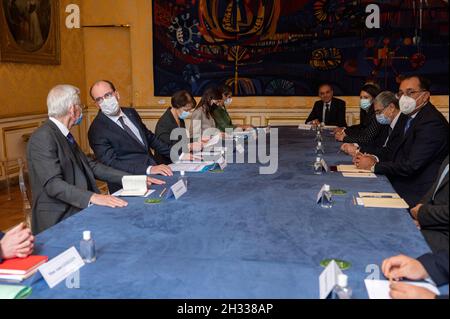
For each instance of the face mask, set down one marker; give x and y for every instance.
(79, 120)
(184, 115)
(228, 102)
(407, 104)
(110, 106)
(383, 119)
(365, 104)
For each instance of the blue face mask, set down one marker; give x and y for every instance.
(365, 104)
(184, 115)
(383, 119)
(79, 120)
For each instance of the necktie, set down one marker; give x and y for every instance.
(444, 173)
(71, 139)
(128, 130)
(408, 124)
(325, 112)
(389, 135)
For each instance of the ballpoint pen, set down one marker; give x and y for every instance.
(162, 193)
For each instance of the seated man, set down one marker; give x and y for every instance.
(16, 243)
(434, 266)
(329, 110)
(63, 178)
(387, 112)
(120, 139)
(414, 164)
(431, 215)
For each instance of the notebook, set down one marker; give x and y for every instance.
(21, 266)
(134, 186)
(14, 292)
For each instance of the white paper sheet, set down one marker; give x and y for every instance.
(379, 289)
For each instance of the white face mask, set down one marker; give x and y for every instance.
(228, 102)
(110, 106)
(407, 104)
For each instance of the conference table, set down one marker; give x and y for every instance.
(237, 234)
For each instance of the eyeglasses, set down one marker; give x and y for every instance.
(408, 93)
(100, 99)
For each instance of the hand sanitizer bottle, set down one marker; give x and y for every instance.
(318, 166)
(183, 177)
(319, 149)
(87, 248)
(342, 291)
(318, 137)
(327, 201)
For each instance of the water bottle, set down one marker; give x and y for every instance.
(183, 177)
(318, 170)
(342, 291)
(87, 248)
(327, 201)
(318, 136)
(319, 149)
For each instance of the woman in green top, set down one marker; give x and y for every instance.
(220, 113)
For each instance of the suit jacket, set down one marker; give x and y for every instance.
(62, 178)
(436, 266)
(414, 164)
(369, 131)
(384, 150)
(336, 114)
(164, 128)
(114, 147)
(433, 215)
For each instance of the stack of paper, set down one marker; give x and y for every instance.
(351, 169)
(305, 127)
(19, 269)
(379, 289)
(134, 186)
(14, 292)
(360, 175)
(381, 200)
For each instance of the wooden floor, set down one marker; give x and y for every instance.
(11, 212)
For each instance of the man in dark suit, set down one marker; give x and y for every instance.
(329, 110)
(434, 266)
(16, 243)
(62, 177)
(415, 162)
(387, 112)
(120, 139)
(431, 215)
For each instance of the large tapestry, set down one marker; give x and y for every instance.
(288, 47)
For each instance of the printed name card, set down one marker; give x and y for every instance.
(325, 166)
(61, 267)
(319, 196)
(328, 279)
(177, 190)
(222, 163)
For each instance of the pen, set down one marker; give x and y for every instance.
(354, 200)
(163, 191)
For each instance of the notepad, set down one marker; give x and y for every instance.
(351, 169)
(305, 127)
(384, 202)
(14, 292)
(19, 269)
(378, 195)
(134, 186)
(360, 175)
(379, 289)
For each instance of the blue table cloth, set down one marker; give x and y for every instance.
(237, 234)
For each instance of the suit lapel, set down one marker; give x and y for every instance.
(136, 123)
(118, 130)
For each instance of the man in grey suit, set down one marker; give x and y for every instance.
(62, 176)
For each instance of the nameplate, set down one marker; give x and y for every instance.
(222, 163)
(178, 189)
(61, 267)
(239, 148)
(325, 166)
(328, 279)
(319, 196)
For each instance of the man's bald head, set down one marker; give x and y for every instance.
(99, 88)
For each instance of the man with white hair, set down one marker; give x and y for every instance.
(62, 176)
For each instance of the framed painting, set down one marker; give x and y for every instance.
(29, 31)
